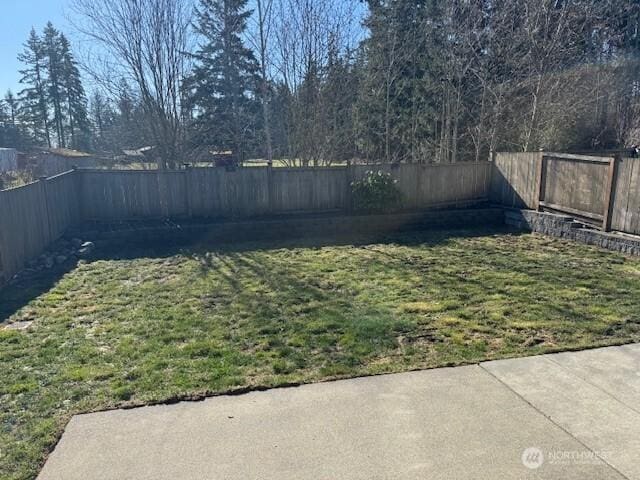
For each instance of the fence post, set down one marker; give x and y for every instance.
(43, 188)
(270, 203)
(541, 182)
(610, 185)
(350, 176)
(187, 189)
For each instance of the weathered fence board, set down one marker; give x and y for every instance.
(131, 194)
(215, 192)
(514, 179)
(294, 189)
(32, 217)
(63, 203)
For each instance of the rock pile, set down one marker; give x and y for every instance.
(59, 253)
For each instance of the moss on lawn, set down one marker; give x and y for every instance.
(154, 327)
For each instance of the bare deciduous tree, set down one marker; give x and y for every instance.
(307, 35)
(260, 39)
(144, 42)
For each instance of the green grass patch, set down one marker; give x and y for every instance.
(117, 332)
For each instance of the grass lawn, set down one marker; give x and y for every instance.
(179, 324)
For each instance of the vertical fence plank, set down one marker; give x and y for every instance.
(540, 181)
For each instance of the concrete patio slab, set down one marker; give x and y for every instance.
(594, 395)
(451, 423)
(614, 370)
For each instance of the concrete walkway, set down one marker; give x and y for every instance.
(564, 416)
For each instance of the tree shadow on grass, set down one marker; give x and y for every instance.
(200, 243)
(18, 294)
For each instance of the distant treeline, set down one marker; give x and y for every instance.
(320, 81)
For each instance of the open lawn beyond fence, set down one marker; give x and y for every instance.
(162, 325)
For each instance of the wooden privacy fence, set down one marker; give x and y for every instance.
(35, 215)
(604, 191)
(254, 191)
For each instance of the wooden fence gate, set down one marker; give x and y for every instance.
(579, 185)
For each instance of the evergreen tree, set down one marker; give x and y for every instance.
(118, 123)
(53, 97)
(54, 78)
(11, 103)
(75, 97)
(103, 121)
(339, 94)
(11, 135)
(130, 119)
(281, 120)
(223, 86)
(34, 98)
(4, 124)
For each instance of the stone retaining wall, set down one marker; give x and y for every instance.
(566, 227)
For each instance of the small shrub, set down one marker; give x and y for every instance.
(377, 191)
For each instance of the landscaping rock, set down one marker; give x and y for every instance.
(61, 252)
(86, 249)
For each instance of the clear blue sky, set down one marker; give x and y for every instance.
(16, 19)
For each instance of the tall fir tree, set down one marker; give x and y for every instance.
(223, 86)
(54, 103)
(74, 97)
(54, 78)
(34, 98)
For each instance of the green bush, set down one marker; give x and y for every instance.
(377, 191)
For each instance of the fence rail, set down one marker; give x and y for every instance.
(35, 215)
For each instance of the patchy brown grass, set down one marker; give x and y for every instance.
(198, 322)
